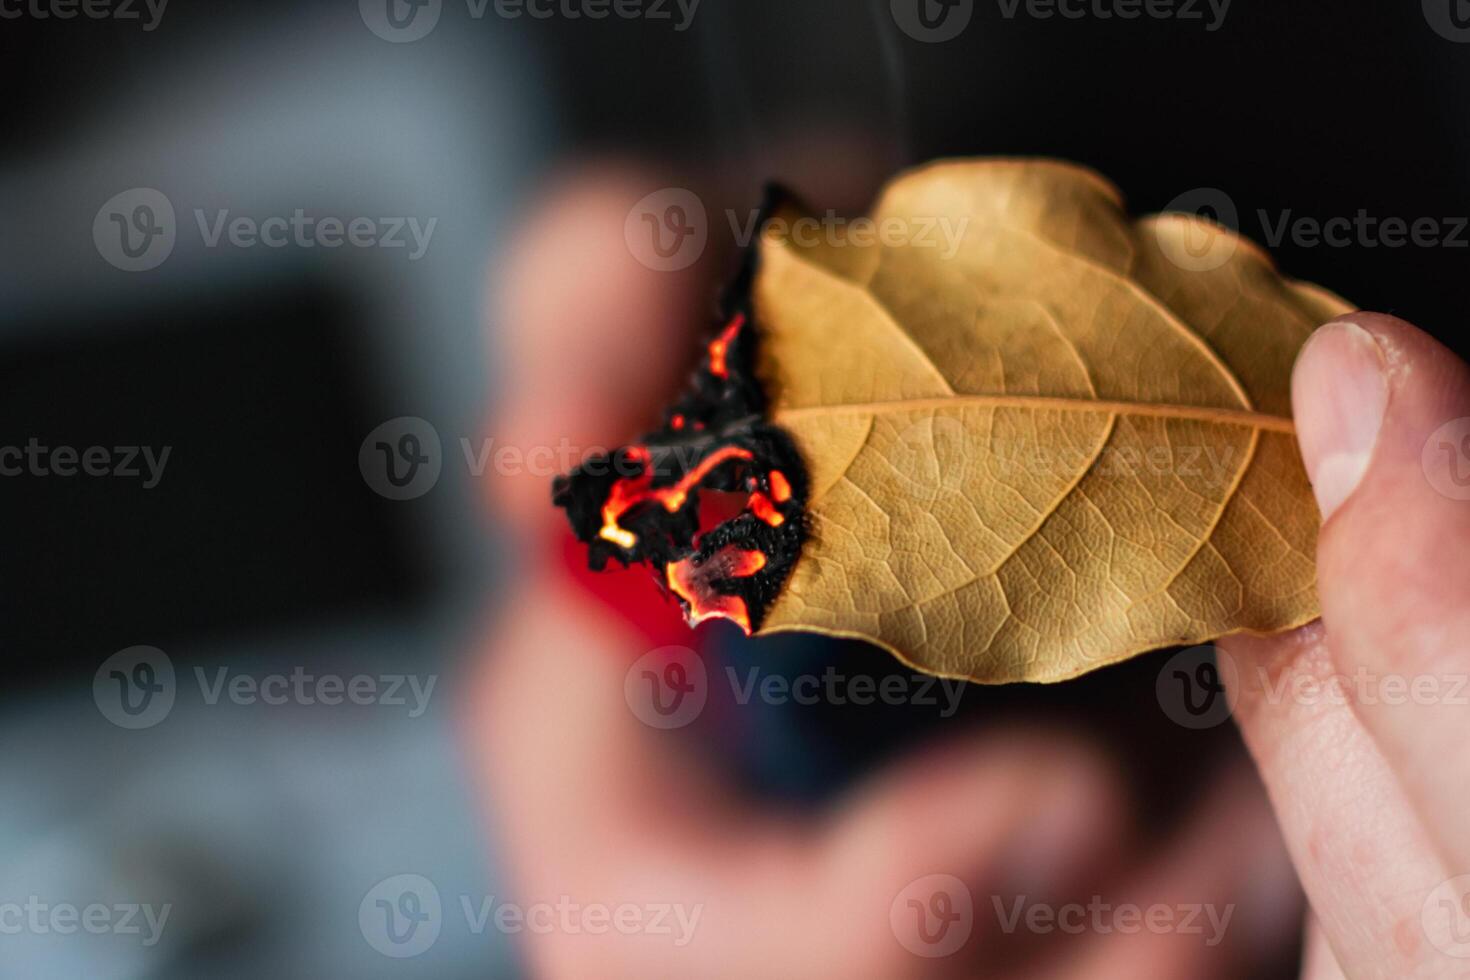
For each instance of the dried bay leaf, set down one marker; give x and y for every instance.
(1040, 437)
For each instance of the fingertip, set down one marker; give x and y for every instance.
(1339, 399)
(588, 342)
(572, 301)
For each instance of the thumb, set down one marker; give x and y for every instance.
(1383, 418)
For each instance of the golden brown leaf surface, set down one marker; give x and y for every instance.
(1054, 441)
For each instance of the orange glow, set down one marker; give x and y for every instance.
(780, 488)
(628, 492)
(719, 348)
(690, 582)
(761, 506)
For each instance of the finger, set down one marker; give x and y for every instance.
(589, 340)
(1372, 397)
(1318, 960)
(592, 803)
(1362, 856)
(1221, 901)
(1018, 812)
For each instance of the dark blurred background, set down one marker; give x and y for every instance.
(262, 546)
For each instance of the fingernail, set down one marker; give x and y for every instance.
(1339, 396)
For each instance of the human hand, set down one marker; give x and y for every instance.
(1360, 723)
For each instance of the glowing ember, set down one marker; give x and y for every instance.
(780, 487)
(719, 348)
(713, 502)
(693, 582)
(629, 492)
(761, 506)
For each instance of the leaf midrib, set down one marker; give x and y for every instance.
(1195, 413)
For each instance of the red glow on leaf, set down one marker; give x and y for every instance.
(692, 583)
(629, 492)
(719, 348)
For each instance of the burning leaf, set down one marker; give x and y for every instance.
(998, 429)
(1039, 437)
(643, 502)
